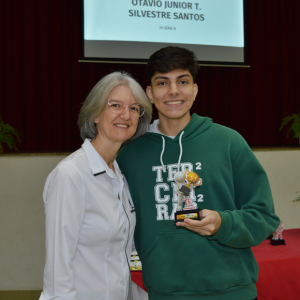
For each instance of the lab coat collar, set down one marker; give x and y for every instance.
(96, 162)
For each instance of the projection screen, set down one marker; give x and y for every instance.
(131, 30)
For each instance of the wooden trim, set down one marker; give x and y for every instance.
(20, 295)
(254, 148)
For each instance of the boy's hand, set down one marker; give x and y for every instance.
(209, 225)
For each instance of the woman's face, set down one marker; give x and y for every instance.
(117, 127)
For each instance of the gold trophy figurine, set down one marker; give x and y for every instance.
(192, 178)
(185, 182)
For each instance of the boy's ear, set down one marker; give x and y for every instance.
(149, 93)
(195, 90)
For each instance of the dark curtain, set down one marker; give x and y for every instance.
(43, 84)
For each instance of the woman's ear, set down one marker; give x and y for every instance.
(97, 119)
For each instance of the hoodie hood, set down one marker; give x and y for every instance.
(195, 127)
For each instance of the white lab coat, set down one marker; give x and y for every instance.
(90, 221)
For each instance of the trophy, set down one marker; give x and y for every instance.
(185, 183)
(135, 262)
(277, 236)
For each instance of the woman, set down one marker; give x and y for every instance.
(90, 216)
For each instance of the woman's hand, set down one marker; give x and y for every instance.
(209, 225)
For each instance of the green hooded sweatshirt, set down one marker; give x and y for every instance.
(181, 264)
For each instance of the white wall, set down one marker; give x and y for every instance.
(22, 212)
(283, 169)
(22, 238)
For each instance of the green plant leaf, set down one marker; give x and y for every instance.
(8, 135)
(284, 122)
(295, 126)
(297, 199)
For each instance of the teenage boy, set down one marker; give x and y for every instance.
(206, 259)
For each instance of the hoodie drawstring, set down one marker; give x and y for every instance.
(163, 150)
(161, 155)
(180, 145)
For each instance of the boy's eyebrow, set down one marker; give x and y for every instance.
(163, 77)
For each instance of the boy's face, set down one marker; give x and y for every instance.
(173, 93)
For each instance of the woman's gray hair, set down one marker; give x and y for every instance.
(96, 101)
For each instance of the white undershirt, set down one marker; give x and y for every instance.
(154, 128)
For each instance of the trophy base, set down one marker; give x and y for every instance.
(277, 242)
(187, 214)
